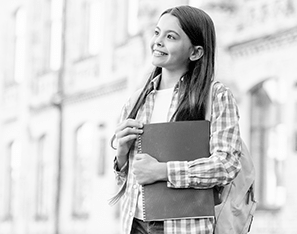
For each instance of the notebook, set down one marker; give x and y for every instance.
(176, 141)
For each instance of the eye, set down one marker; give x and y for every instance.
(156, 32)
(171, 37)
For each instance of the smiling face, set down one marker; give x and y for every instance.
(171, 47)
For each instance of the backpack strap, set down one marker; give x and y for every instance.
(208, 111)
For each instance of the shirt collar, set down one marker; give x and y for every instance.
(156, 82)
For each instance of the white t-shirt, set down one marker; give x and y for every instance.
(161, 105)
(160, 112)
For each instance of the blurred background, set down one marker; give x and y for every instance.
(68, 66)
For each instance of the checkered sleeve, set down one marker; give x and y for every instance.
(121, 174)
(225, 145)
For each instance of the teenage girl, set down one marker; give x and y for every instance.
(183, 53)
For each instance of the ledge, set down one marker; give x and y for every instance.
(264, 43)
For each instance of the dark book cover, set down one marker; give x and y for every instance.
(176, 141)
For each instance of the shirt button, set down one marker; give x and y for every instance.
(131, 214)
(135, 186)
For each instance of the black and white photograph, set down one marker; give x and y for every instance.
(148, 116)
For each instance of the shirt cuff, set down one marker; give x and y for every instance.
(121, 174)
(178, 176)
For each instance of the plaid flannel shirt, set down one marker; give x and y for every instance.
(219, 169)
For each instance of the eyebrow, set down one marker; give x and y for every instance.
(168, 31)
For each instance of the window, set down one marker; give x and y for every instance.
(52, 17)
(133, 17)
(43, 180)
(8, 185)
(11, 178)
(102, 150)
(126, 20)
(46, 36)
(295, 127)
(91, 28)
(268, 141)
(56, 22)
(121, 26)
(19, 45)
(84, 142)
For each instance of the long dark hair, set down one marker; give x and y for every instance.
(194, 88)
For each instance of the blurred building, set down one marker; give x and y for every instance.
(67, 67)
(263, 57)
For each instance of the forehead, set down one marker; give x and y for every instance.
(169, 22)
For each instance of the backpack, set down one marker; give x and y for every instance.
(234, 215)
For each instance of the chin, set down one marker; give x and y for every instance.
(157, 64)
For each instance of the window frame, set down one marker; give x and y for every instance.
(264, 146)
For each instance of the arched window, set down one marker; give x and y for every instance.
(11, 179)
(83, 158)
(267, 144)
(43, 180)
(102, 141)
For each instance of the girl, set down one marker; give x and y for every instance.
(183, 53)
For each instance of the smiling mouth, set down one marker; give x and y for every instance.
(158, 53)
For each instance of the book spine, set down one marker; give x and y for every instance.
(143, 203)
(139, 146)
(139, 150)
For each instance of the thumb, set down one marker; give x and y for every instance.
(138, 156)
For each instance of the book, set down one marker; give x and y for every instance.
(176, 141)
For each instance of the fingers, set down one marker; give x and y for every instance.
(124, 140)
(139, 161)
(128, 130)
(132, 123)
(144, 168)
(126, 133)
(139, 157)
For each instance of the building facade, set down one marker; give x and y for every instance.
(263, 56)
(67, 67)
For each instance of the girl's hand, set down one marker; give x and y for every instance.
(148, 170)
(126, 133)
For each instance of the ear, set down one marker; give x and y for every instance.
(197, 53)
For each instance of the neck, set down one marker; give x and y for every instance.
(170, 78)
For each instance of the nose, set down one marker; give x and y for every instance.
(159, 44)
(158, 41)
